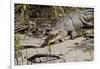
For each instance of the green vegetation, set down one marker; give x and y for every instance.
(90, 50)
(17, 47)
(49, 47)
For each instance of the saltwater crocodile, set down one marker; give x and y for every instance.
(72, 24)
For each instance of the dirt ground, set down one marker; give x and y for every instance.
(66, 51)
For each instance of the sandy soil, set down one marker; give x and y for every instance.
(67, 51)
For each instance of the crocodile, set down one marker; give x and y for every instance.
(72, 25)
